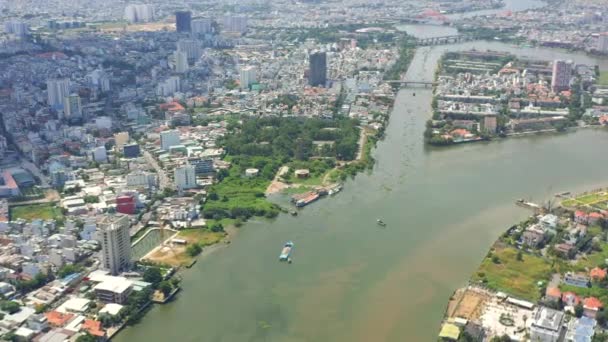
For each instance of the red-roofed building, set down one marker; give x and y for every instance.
(597, 273)
(581, 217)
(172, 107)
(591, 306)
(553, 294)
(594, 217)
(570, 299)
(58, 319)
(9, 187)
(93, 327)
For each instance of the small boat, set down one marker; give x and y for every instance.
(293, 213)
(381, 223)
(413, 94)
(286, 251)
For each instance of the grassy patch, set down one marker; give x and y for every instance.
(204, 237)
(603, 77)
(515, 277)
(45, 211)
(594, 259)
(570, 203)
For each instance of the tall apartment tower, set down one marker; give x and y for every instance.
(181, 61)
(57, 90)
(562, 73)
(602, 42)
(247, 77)
(113, 233)
(183, 21)
(72, 107)
(318, 69)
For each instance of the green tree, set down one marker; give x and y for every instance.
(153, 275)
(10, 306)
(165, 287)
(86, 338)
(578, 310)
(194, 249)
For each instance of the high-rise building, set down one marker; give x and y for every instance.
(181, 61)
(185, 177)
(168, 139)
(98, 79)
(18, 28)
(602, 42)
(191, 47)
(57, 90)
(562, 73)
(72, 107)
(183, 21)
(139, 13)
(120, 139)
(169, 86)
(234, 24)
(248, 77)
(113, 233)
(318, 69)
(202, 26)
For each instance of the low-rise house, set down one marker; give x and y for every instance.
(553, 294)
(547, 325)
(597, 274)
(591, 306)
(581, 329)
(570, 299)
(533, 236)
(576, 279)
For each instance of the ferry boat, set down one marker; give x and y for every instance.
(286, 251)
(335, 190)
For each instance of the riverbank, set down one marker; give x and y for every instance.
(352, 267)
(553, 262)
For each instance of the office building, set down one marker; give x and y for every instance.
(139, 13)
(181, 61)
(202, 26)
(120, 139)
(602, 42)
(202, 166)
(169, 139)
(142, 179)
(72, 107)
(248, 77)
(185, 177)
(191, 47)
(234, 24)
(318, 69)
(183, 21)
(562, 73)
(131, 150)
(100, 154)
(57, 90)
(115, 243)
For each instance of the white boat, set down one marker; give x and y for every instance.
(286, 251)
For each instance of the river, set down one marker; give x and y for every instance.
(354, 281)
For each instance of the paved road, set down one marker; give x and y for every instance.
(163, 180)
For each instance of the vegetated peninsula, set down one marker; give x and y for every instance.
(480, 95)
(544, 279)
